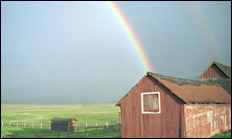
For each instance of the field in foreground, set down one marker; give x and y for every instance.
(225, 135)
(84, 113)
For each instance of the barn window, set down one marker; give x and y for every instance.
(150, 102)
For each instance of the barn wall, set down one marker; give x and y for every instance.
(166, 124)
(205, 120)
(213, 72)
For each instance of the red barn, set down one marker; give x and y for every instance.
(216, 70)
(161, 106)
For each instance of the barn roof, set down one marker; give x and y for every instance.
(193, 91)
(223, 82)
(63, 119)
(224, 68)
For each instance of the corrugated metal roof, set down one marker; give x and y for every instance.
(63, 119)
(223, 82)
(193, 91)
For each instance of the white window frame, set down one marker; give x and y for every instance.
(145, 93)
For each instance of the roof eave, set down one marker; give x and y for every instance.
(122, 99)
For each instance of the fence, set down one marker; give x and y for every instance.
(41, 125)
(25, 125)
(82, 130)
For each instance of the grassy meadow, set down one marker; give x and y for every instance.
(84, 113)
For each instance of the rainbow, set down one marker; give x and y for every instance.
(132, 35)
(207, 31)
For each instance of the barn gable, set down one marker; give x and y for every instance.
(136, 123)
(216, 70)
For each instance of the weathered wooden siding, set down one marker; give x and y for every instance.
(205, 120)
(73, 125)
(168, 123)
(213, 72)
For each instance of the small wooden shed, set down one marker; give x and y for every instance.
(63, 124)
(160, 106)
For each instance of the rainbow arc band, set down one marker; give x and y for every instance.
(131, 35)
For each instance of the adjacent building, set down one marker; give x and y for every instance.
(216, 70)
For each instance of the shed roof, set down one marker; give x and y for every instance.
(224, 68)
(192, 91)
(63, 119)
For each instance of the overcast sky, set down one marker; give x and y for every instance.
(77, 52)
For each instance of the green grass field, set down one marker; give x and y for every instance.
(7, 132)
(84, 113)
(225, 135)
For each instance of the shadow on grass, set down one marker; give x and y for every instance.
(24, 133)
(46, 133)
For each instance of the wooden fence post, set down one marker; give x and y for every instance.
(118, 127)
(58, 134)
(86, 129)
(24, 125)
(41, 125)
(17, 125)
(32, 125)
(106, 125)
(16, 135)
(77, 127)
(77, 130)
(104, 129)
(9, 124)
(68, 134)
(96, 129)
